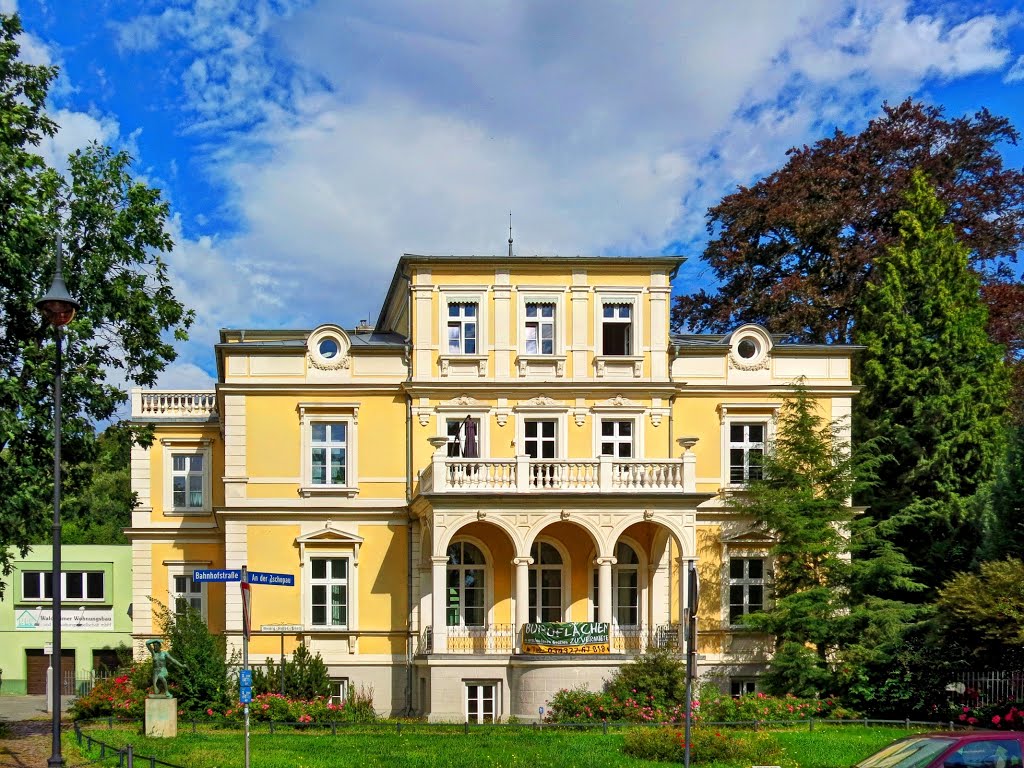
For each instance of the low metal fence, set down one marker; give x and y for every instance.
(988, 686)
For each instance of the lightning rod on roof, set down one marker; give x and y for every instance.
(510, 234)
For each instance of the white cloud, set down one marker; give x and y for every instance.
(76, 129)
(348, 133)
(1015, 74)
(8, 6)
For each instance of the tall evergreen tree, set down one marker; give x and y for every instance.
(803, 499)
(934, 390)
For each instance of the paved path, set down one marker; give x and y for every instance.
(25, 736)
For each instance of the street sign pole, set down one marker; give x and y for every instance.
(245, 649)
(690, 614)
(282, 663)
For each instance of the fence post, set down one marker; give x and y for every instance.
(951, 725)
(398, 727)
(271, 727)
(110, 723)
(865, 722)
(810, 724)
(120, 758)
(906, 723)
(131, 757)
(334, 727)
(193, 725)
(103, 750)
(152, 762)
(88, 739)
(604, 727)
(467, 728)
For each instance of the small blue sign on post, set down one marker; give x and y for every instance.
(273, 579)
(245, 695)
(201, 575)
(245, 678)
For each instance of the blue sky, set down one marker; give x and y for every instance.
(304, 145)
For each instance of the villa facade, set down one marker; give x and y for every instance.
(519, 446)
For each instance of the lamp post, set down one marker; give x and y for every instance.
(58, 309)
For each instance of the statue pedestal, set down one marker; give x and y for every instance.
(161, 717)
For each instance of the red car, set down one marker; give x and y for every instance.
(974, 749)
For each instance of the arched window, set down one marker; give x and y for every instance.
(625, 587)
(465, 586)
(545, 583)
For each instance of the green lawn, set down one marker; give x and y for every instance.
(826, 747)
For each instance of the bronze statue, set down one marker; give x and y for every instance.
(160, 659)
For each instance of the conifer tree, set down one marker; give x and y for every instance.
(934, 390)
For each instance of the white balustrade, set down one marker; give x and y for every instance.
(195, 404)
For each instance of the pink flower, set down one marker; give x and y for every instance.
(996, 719)
(972, 720)
(963, 717)
(209, 712)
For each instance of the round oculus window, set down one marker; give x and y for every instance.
(328, 348)
(747, 349)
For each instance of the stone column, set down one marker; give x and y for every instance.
(439, 593)
(522, 598)
(604, 588)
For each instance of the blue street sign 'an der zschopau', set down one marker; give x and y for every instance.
(245, 695)
(215, 575)
(274, 579)
(245, 678)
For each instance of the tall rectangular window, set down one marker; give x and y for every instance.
(187, 480)
(539, 333)
(186, 593)
(462, 325)
(617, 438)
(329, 452)
(463, 438)
(746, 587)
(746, 449)
(339, 691)
(541, 438)
(329, 591)
(617, 329)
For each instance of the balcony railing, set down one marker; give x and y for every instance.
(500, 639)
(154, 404)
(525, 475)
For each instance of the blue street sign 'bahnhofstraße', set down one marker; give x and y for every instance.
(245, 678)
(213, 575)
(276, 579)
(245, 695)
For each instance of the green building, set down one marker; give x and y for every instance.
(96, 584)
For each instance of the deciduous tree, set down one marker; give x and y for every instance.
(114, 229)
(794, 251)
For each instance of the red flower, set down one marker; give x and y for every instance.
(996, 719)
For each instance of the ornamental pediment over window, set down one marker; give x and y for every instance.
(332, 538)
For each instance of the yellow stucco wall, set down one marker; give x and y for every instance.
(166, 554)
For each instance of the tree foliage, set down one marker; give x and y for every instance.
(114, 229)
(1003, 503)
(802, 499)
(204, 682)
(305, 676)
(794, 251)
(934, 389)
(984, 611)
(100, 506)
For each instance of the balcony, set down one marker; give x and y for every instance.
(155, 404)
(525, 475)
(502, 639)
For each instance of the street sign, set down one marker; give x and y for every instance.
(48, 648)
(245, 678)
(245, 695)
(202, 575)
(281, 628)
(273, 579)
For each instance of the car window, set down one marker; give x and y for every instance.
(915, 752)
(997, 753)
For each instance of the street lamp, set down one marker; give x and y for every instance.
(58, 309)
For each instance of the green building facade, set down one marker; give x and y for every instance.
(96, 584)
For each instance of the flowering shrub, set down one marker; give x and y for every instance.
(266, 707)
(706, 746)
(761, 707)
(116, 696)
(1006, 716)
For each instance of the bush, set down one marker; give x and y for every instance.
(657, 677)
(706, 746)
(305, 676)
(267, 707)
(1004, 715)
(205, 682)
(113, 696)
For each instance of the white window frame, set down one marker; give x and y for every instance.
(746, 582)
(193, 447)
(641, 590)
(463, 321)
(743, 683)
(532, 413)
(330, 543)
(637, 351)
(633, 441)
(744, 413)
(495, 686)
(328, 581)
(566, 578)
(185, 568)
(347, 413)
(488, 570)
(339, 691)
(538, 322)
(528, 296)
(746, 445)
(40, 577)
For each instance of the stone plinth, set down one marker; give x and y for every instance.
(161, 717)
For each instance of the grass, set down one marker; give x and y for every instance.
(826, 747)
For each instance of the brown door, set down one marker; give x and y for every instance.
(36, 664)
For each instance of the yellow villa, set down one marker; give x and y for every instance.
(520, 452)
